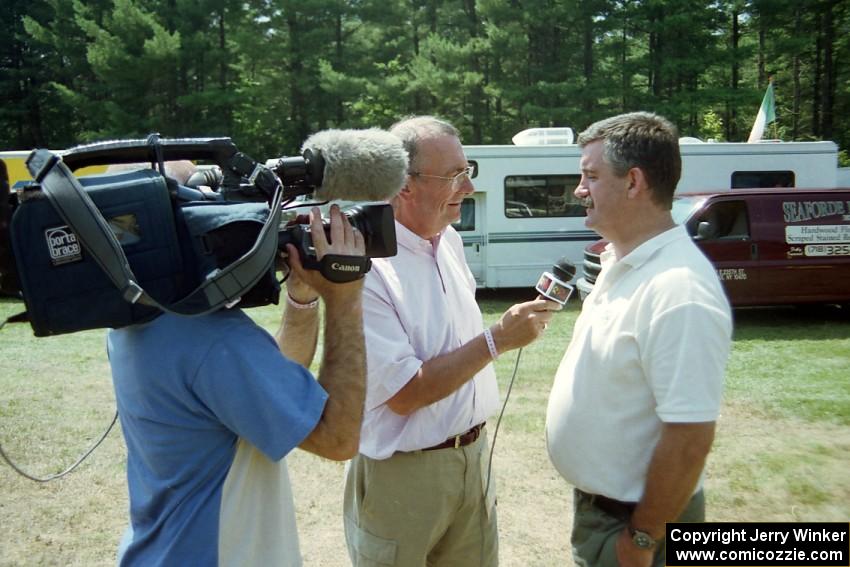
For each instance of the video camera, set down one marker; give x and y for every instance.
(116, 249)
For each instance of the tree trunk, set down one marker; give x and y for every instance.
(795, 114)
(227, 111)
(762, 75)
(733, 110)
(656, 20)
(340, 107)
(623, 56)
(477, 93)
(828, 72)
(588, 103)
(817, 78)
(414, 25)
(296, 68)
(33, 135)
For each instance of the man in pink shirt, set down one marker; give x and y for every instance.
(417, 493)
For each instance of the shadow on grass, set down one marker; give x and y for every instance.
(805, 322)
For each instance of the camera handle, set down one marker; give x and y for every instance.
(223, 286)
(222, 151)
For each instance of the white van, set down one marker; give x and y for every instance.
(523, 216)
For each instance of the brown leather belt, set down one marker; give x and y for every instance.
(459, 440)
(612, 507)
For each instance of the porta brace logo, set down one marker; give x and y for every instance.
(63, 245)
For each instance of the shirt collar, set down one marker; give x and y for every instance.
(408, 239)
(648, 249)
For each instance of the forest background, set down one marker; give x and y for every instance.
(268, 73)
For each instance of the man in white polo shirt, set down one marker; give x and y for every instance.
(631, 415)
(415, 495)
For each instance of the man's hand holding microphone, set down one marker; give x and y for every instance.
(524, 322)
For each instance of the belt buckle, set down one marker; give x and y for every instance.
(457, 441)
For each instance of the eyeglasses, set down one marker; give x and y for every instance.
(456, 180)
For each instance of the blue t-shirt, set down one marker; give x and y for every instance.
(187, 389)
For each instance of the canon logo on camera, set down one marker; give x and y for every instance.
(344, 268)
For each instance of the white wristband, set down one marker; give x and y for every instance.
(491, 344)
(311, 305)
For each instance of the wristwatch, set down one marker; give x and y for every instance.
(641, 539)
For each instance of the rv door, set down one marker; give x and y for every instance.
(471, 229)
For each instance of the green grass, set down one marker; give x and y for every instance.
(792, 363)
(782, 450)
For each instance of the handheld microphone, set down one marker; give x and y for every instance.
(555, 285)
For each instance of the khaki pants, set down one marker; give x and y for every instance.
(595, 532)
(423, 508)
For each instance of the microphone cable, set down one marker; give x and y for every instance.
(79, 461)
(20, 317)
(495, 435)
(499, 422)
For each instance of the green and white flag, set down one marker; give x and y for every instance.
(766, 115)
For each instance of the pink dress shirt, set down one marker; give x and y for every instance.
(418, 305)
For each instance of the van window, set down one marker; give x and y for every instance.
(762, 179)
(467, 215)
(724, 220)
(529, 196)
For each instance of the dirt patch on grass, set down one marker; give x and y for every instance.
(535, 505)
(761, 469)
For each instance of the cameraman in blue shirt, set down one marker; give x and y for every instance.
(211, 405)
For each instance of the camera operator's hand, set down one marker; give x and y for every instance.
(345, 240)
(298, 333)
(299, 291)
(343, 369)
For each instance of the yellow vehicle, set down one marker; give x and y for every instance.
(17, 168)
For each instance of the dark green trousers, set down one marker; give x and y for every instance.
(595, 531)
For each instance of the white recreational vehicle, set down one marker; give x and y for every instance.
(523, 216)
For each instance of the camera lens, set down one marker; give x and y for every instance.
(375, 222)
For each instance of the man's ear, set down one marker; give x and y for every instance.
(638, 183)
(405, 193)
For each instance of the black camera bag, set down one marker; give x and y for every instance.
(120, 249)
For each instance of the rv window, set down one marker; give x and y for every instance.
(762, 179)
(529, 196)
(467, 216)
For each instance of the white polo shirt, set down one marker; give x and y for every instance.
(650, 346)
(418, 305)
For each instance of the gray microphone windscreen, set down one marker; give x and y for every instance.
(360, 165)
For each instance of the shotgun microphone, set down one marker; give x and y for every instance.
(346, 165)
(359, 165)
(335, 165)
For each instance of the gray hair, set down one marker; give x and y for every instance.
(415, 129)
(643, 140)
